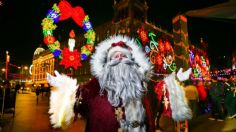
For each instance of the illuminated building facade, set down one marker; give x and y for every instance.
(43, 62)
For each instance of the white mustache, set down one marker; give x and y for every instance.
(124, 61)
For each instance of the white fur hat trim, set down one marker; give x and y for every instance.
(99, 58)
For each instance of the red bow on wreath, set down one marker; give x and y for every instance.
(77, 13)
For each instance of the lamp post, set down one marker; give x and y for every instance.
(7, 61)
(6, 77)
(25, 69)
(23, 72)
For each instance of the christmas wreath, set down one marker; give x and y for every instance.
(60, 12)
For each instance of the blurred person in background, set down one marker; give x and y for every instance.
(7, 88)
(230, 98)
(202, 96)
(192, 96)
(216, 93)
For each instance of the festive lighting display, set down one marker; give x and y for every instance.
(62, 12)
(224, 73)
(200, 63)
(160, 51)
(70, 58)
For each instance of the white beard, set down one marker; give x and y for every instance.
(123, 83)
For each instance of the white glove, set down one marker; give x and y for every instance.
(55, 81)
(182, 76)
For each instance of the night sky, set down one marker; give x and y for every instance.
(21, 33)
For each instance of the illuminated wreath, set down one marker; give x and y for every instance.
(62, 12)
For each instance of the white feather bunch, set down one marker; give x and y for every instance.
(62, 99)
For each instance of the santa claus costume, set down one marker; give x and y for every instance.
(114, 100)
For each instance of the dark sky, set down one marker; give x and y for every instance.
(21, 33)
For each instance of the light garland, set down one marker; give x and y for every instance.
(62, 12)
(160, 52)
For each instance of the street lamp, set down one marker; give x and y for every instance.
(25, 67)
(3, 74)
(23, 70)
(3, 69)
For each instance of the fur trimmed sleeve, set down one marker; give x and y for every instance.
(62, 99)
(178, 102)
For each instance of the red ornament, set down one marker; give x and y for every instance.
(161, 47)
(89, 47)
(159, 60)
(49, 39)
(207, 62)
(143, 35)
(70, 58)
(197, 58)
(77, 13)
(168, 46)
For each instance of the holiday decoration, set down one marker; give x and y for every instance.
(143, 35)
(160, 51)
(70, 58)
(61, 12)
(200, 64)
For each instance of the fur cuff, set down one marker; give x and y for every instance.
(178, 102)
(62, 100)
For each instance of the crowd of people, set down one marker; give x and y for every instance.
(217, 97)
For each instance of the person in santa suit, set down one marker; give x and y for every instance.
(115, 99)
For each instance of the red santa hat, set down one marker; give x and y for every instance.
(119, 46)
(122, 43)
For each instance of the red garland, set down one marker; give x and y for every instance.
(70, 58)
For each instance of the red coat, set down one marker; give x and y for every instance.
(202, 92)
(99, 112)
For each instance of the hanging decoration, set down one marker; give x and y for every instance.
(63, 11)
(200, 63)
(159, 51)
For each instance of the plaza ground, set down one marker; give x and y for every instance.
(31, 116)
